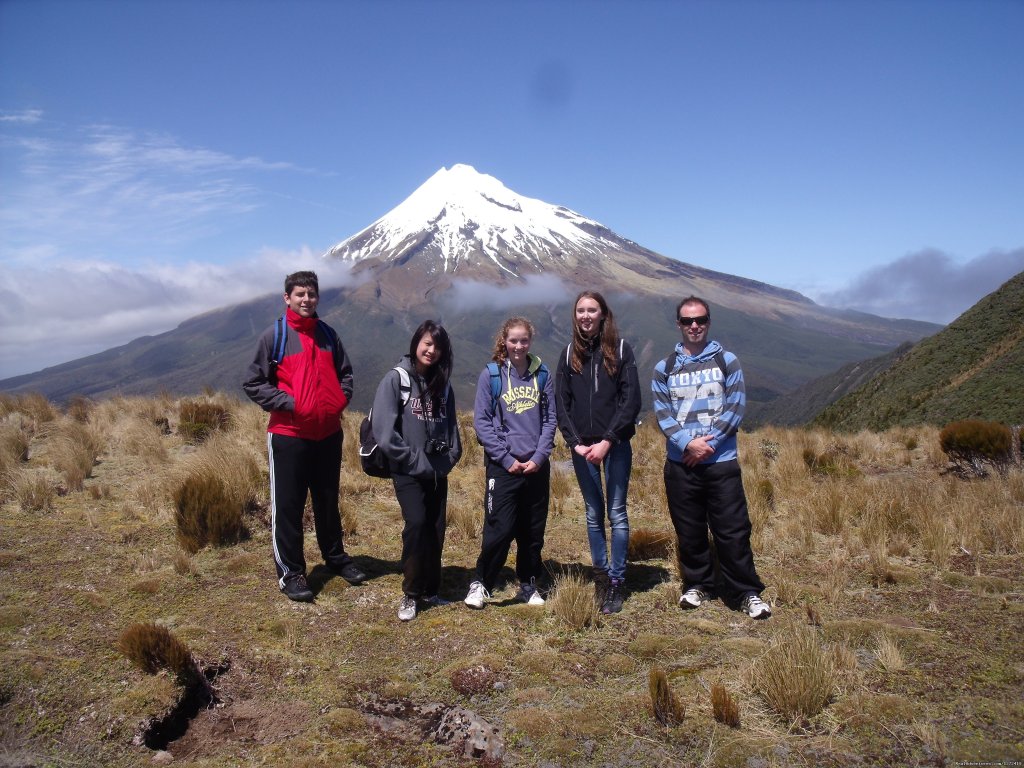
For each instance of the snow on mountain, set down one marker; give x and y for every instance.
(461, 216)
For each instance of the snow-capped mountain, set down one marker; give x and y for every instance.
(464, 218)
(462, 224)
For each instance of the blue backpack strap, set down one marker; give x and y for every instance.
(280, 339)
(492, 368)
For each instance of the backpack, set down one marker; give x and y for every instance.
(669, 361)
(542, 380)
(372, 459)
(281, 339)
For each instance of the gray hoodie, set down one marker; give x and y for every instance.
(403, 434)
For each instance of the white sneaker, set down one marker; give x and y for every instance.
(755, 607)
(692, 598)
(407, 608)
(477, 595)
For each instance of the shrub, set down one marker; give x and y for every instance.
(205, 513)
(795, 676)
(197, 419)
(724, 706)
(572, 601)
(971, 443)
(647, 544)
(152, 647)
(668, 710)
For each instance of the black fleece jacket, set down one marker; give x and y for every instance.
(591, 405)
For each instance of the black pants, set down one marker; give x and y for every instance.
(515, 509)
(297, 467)
(423, 502)
(711, 495)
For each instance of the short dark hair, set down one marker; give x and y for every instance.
(303, 279)
(693, 300)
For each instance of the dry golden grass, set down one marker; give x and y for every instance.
(796, 676)
(851, 559)
(572, 601)
(668, 710)
(72, 449)
(724, 706)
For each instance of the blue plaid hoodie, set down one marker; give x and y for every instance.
(695, 398)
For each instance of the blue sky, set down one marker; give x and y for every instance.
(158, 159)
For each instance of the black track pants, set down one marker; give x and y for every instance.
(711, 496)
(424, 509)
(299, 466)
(515, 509)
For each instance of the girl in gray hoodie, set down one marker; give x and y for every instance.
(514, 417)
(417, 430)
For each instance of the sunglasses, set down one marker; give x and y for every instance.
(702, 320)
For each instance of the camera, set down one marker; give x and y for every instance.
(436, 446)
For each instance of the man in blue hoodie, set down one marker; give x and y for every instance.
(699, 399)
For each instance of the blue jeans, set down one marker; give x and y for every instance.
(617, 465)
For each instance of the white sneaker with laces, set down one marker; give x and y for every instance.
(755, 607)
(407, 608)
(477, 595)
(692, 598)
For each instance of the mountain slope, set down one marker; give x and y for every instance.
(971, 369)
(468, 251)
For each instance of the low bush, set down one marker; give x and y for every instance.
(724, 706)
(198, 419)
(796, 677)
(971, 444)
(668, 710)
(152, 647)
(205, 513)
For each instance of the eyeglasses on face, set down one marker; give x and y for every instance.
(702, 320)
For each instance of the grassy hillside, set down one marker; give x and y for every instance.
(971, 369)
(808, 400)
(898, 593)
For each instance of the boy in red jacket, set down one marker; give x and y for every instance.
(305, 384)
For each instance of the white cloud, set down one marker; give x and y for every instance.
(25, 116)
(927, 285)
(535, 289)
(52, 314)
(101, 190)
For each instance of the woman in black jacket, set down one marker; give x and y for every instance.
(597, 396)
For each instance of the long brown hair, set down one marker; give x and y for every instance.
(608, 334)
(500, 354)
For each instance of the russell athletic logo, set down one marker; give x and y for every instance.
(521, 399)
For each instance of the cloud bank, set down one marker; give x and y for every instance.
(52, 314)
(927, 285)
(535, 289)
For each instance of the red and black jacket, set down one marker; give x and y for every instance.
(310, 385)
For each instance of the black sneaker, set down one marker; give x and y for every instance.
(297, 588)
(350, 572)
(613, 598)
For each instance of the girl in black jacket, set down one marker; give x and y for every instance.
(597, 397)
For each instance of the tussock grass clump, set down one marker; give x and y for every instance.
(648, 544)
(668, 710)
(888, 654)
(796, 676)
(724, 707)
(36, 407)
(73, 449)
(14, 441)
(198, 419)
(240, 467)
(466, 519)
(152, 647)
(205, 512)
(79, 408)
(572, 601)
(834, 461)
(32, 492)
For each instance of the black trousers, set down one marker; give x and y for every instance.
(711, 496)
(424, 508)
(515, 509)
(299, 466)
